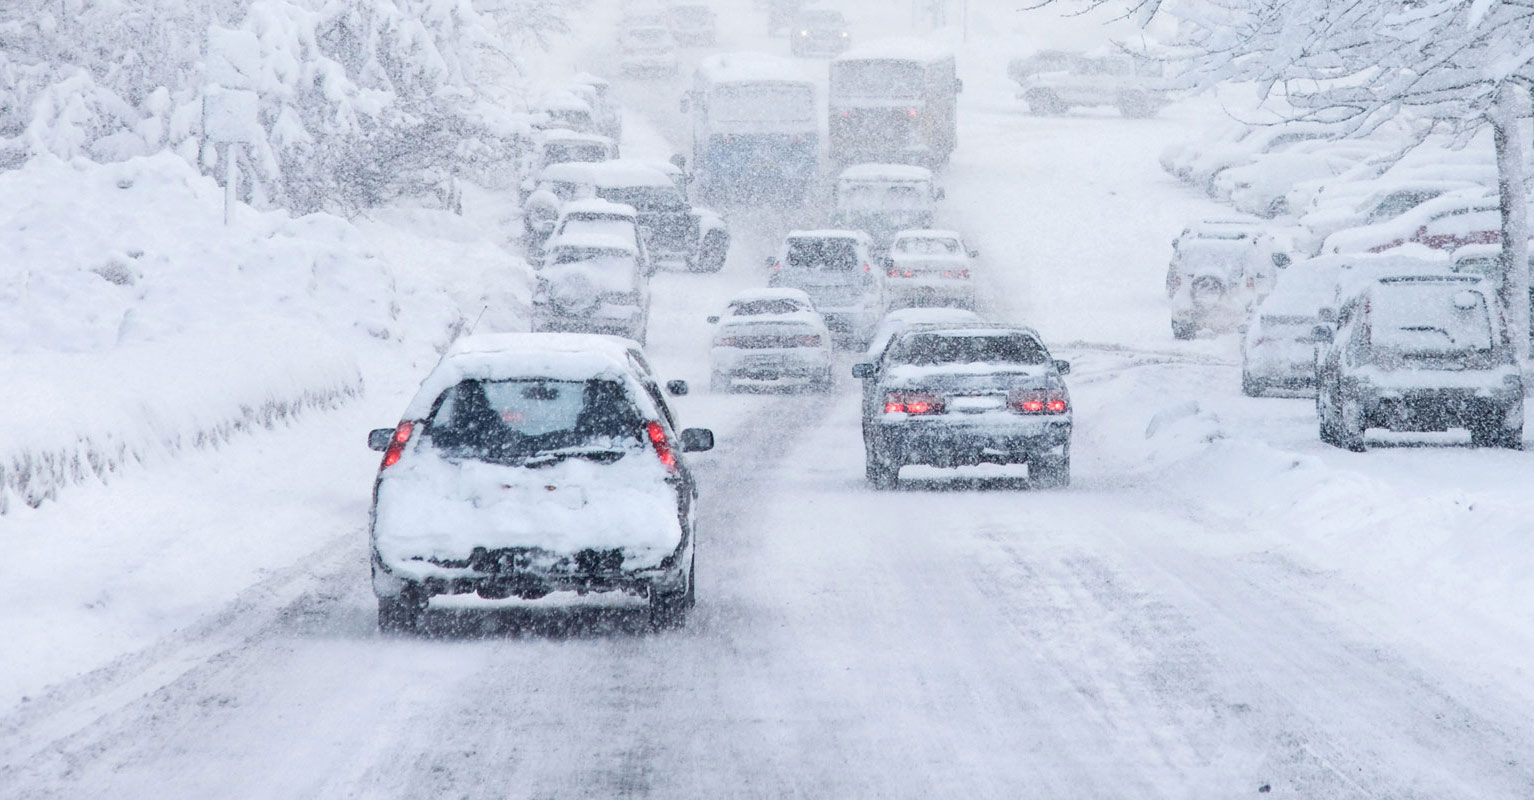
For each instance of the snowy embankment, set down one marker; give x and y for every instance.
(135, 325)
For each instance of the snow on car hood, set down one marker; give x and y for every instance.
(433, 507)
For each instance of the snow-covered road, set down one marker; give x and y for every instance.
(1218, 604)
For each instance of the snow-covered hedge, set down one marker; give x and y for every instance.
(133, 323)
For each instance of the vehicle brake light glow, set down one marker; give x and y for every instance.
(913, 403)
(1038, 402)
(663, 450)
(397, 444)
(911, 112)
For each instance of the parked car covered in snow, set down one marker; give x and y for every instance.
(648, 50)
(883, 199)
(1246, 145)
(1341, 210)
(593, 282)
(1420, 353)
(1054, 81)
(956, 395)
(1262, 186)
(1219, 267)
(535, 463)
(1449, 221)
(770, 335)
(929, 268)
(1278, 340)
(692, 24)
(835, 268)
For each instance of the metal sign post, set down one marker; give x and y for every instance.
(230, 109)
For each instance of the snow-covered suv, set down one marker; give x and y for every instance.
(1420, 353)
(534, 463)
(1052, 81)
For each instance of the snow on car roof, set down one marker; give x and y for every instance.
(597, 205)
(826, 233)
(628, 172)
(754, 295)
(570, 171)
(594, 241)
(730, 67)
(567, 135)
(903, 48)
(885, 172)
(503, 356)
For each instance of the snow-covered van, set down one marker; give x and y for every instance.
(894, 100)
(755, 132)
(535, 463)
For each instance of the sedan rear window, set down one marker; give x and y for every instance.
(1427, 319)
(752, 308)
(514, 419)
(931, 349)
(835, 255)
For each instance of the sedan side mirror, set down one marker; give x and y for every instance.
(1322, 334)
(676, 388)
(379, 438)
(863, 370)
(697, 440)
(713, 319)
(1062, 366)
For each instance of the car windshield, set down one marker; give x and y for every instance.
(883, 196)
(877, 79)
(778, 305)
(829, 254)
(933, 349)
(592, 255)
(510, 420)
(567, 152)
(1429, 318)
(646, 199)
(927, 246)
(762, 102)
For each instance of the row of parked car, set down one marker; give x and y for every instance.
(1370, 279)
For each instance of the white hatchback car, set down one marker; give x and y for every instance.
(771, 335)
(930, 268)
(535, 463)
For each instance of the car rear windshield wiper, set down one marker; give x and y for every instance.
(601, 455)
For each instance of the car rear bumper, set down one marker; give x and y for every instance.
(1437, 409)
(949, 442)
(527, 573)
(770, 364)
(913, 293)
(615, 320)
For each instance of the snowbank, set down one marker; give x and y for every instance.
(135, 324)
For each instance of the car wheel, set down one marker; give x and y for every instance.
(1135, 104)
(1350, 425)
(669, 609)
(1044, 102)
(1183, 330)
(1051, 473)
(1491, 432)
(402, 613)
(882, 473)
(1252, 387)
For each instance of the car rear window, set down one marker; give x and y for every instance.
(1429, 318)
(751, 308)
(932, 349)
(833, 254)
(927, 246)
(514, 419)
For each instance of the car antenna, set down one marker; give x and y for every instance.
(481, 316)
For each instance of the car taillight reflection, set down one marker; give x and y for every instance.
(397, 444)
(663, 449)
(1038, 402)
(917, 403)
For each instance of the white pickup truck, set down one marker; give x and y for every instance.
(1054, 81)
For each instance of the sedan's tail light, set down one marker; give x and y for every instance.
(1035, 401)
(397, 444)
(663, 450)
(917, 403)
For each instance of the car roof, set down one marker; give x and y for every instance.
(828, 233)
(594, 241)
(754, 67)
(902, 49)
(754, 295)
(885, 172)
(597, 205)
(503, 356)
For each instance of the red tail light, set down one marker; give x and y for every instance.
(777, 265)
(867, 268)
(911, 112)
(663, 450)
(397, 444)
(913, 403)
(1038, 402)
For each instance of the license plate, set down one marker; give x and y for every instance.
(976, 404)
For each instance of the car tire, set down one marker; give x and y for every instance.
(1350, 425)
(1491, 433)
(668, 610)
(882, 473)
(402, 613)
(1183, 330)
(1052, 473)
(1044, 102)
(1136, 105)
